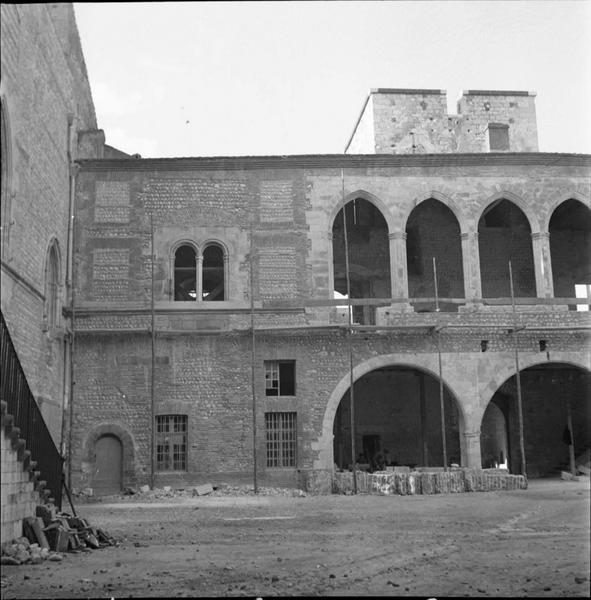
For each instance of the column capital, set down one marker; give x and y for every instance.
(466, 235)
(397, 235)
(540, 235)
(471, 434)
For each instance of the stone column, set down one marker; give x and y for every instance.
(471, 263)
(398, 269)
(199, 276)
(470, 449)
(542, 264)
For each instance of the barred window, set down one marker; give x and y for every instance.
(279, 377)
(171, 443)
(281, 430)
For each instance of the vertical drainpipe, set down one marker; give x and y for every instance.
(72, 287)
(66, 388)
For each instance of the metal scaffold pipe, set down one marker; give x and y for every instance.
(153, 358)
(349, 333)
(252, 361)
(441, 402)
(517, 377)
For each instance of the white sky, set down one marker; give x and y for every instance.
(264, 78)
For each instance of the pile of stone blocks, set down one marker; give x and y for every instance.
(402, 481)
(49, 534)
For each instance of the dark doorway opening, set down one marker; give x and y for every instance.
(397, 409)
(108, 466)
(549, 392)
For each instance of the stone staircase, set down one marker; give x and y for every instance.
(22, 488)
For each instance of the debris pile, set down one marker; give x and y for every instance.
(248, 490)
(145, 494)
(50, 534)
(434, 481)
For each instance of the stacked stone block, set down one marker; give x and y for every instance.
(19, 497)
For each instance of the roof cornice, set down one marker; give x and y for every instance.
(337, 161)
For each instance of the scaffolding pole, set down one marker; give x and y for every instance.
(252, 362)
(441, 402)
(571, 446)
(153, 357)
(349, 341)
(517, 376)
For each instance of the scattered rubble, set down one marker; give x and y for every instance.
(145, 494)
(49, 535)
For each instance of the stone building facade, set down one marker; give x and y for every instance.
(177, 259)
(48, 121)
(181, 320)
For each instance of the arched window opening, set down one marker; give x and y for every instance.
(570, 249)
(397, 421)
(504, 235)
(213, 288)
(556, 407)
(369, 256)
(432, 231)
(494, 435)
(51, 306)
(185, 274)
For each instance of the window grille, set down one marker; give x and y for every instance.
(281, 431)
(171, 443)
(279, 378)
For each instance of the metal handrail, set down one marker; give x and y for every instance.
(21, 404)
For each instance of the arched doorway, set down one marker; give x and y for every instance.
(108, 465)
(504, 235)
(550, 392)
(446, 247)
(369, 256)
(570, 248)
(397, 409)
(494, 435)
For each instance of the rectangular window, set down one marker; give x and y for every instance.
(171, 443)
(281, 431)
(280, 378)
(498, 136)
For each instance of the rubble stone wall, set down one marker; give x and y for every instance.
(203, 349)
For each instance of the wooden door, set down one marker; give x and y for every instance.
(108, 469)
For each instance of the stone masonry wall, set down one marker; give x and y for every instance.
(203, 349)
(398, 121)
(44, 85)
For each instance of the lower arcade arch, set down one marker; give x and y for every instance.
(549, 392)
(397, 421)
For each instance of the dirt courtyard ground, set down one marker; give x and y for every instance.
(532, 542)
